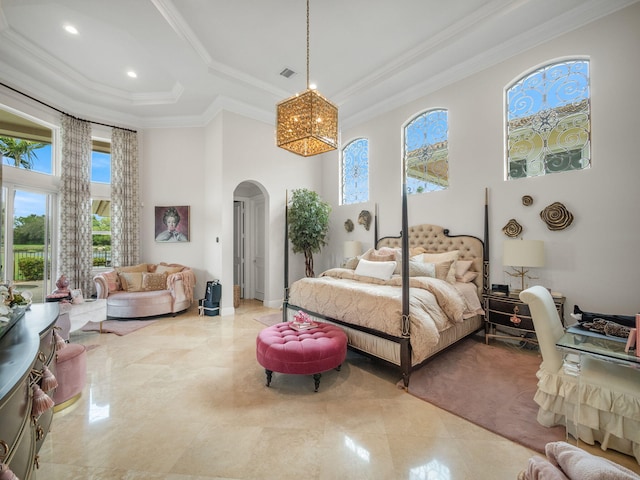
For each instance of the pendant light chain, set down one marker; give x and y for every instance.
(307, 44)
(307, 123)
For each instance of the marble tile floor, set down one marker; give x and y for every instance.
(185, 399)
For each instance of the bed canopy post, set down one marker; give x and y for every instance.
(286, 256)
(405, 346)
(375, 226)
(405, 264)
(485, 253)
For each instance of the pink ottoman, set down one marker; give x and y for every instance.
(281, 349)
(71, 373)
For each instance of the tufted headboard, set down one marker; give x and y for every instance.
(436, 239)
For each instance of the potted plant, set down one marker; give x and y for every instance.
(308, 218)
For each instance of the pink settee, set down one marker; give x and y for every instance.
(146, 290)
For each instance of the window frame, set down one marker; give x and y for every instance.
(342, 186)
(549, 152)
(405, 126)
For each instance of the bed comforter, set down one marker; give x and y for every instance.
(339, 293)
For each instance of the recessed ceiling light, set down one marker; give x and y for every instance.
(132, 74)
(71, 29)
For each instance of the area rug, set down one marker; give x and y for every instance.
(490, 386)
(270, 319)
(119, 327)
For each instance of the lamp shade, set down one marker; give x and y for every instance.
(523, 253)
(352, 248)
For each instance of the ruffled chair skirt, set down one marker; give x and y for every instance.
(604, 408)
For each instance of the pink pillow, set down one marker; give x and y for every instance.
(462, 267)
(374, 255)
(113, 282)
(468, 277)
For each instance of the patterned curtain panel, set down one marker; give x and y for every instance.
(125, 213)
(76, 252)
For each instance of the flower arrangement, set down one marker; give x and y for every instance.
(9, 301)
(302, 321)
(301, 317)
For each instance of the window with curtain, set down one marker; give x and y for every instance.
(27, 145)
(101, 203)
(355, 172)
(549, 120)
(100, 162)
(426, 152)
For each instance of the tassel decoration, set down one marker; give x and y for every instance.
(60, 343)
(41, 402)
(6, 473)
(49, 381)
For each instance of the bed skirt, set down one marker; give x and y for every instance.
(388, 348)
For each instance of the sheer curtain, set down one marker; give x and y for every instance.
(125, 213)
(76, 252)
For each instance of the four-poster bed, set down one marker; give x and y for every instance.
(407, 318)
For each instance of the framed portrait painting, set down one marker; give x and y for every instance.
(172, 224)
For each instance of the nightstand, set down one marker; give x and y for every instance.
(510, 312)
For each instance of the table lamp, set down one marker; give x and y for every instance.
(352, 248)
(521, 254)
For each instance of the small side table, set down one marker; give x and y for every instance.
(509, 311)
(74, 316)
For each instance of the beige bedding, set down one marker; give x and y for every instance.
(339, 293)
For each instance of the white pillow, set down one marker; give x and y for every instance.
(381, 270)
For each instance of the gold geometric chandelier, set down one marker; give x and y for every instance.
(307, 123)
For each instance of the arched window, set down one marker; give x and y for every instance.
(355, 172)
(426, 152)
(548, 120)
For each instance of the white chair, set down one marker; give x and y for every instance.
(608, 395)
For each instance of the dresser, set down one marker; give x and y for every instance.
(508, 317)
(25, 350)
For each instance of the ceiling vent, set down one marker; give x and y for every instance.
(287, 73)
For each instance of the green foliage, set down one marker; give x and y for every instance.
(101, 240)
(20, 151)
(28, 248)
(308, 218)
(99, 262)
(31, 268)
(101, 224)
(29, 230)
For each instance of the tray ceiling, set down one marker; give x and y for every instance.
(194, 58)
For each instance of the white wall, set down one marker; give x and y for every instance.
(169, 161)
(595, 261)
(202, 167)
(250, 154)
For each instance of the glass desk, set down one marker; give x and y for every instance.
(609, 349)
(576, 345)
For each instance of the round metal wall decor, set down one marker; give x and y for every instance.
(556, 216)
(512, 228)
(348, 225)
(527, 200)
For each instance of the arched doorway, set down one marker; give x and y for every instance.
(250, 232)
